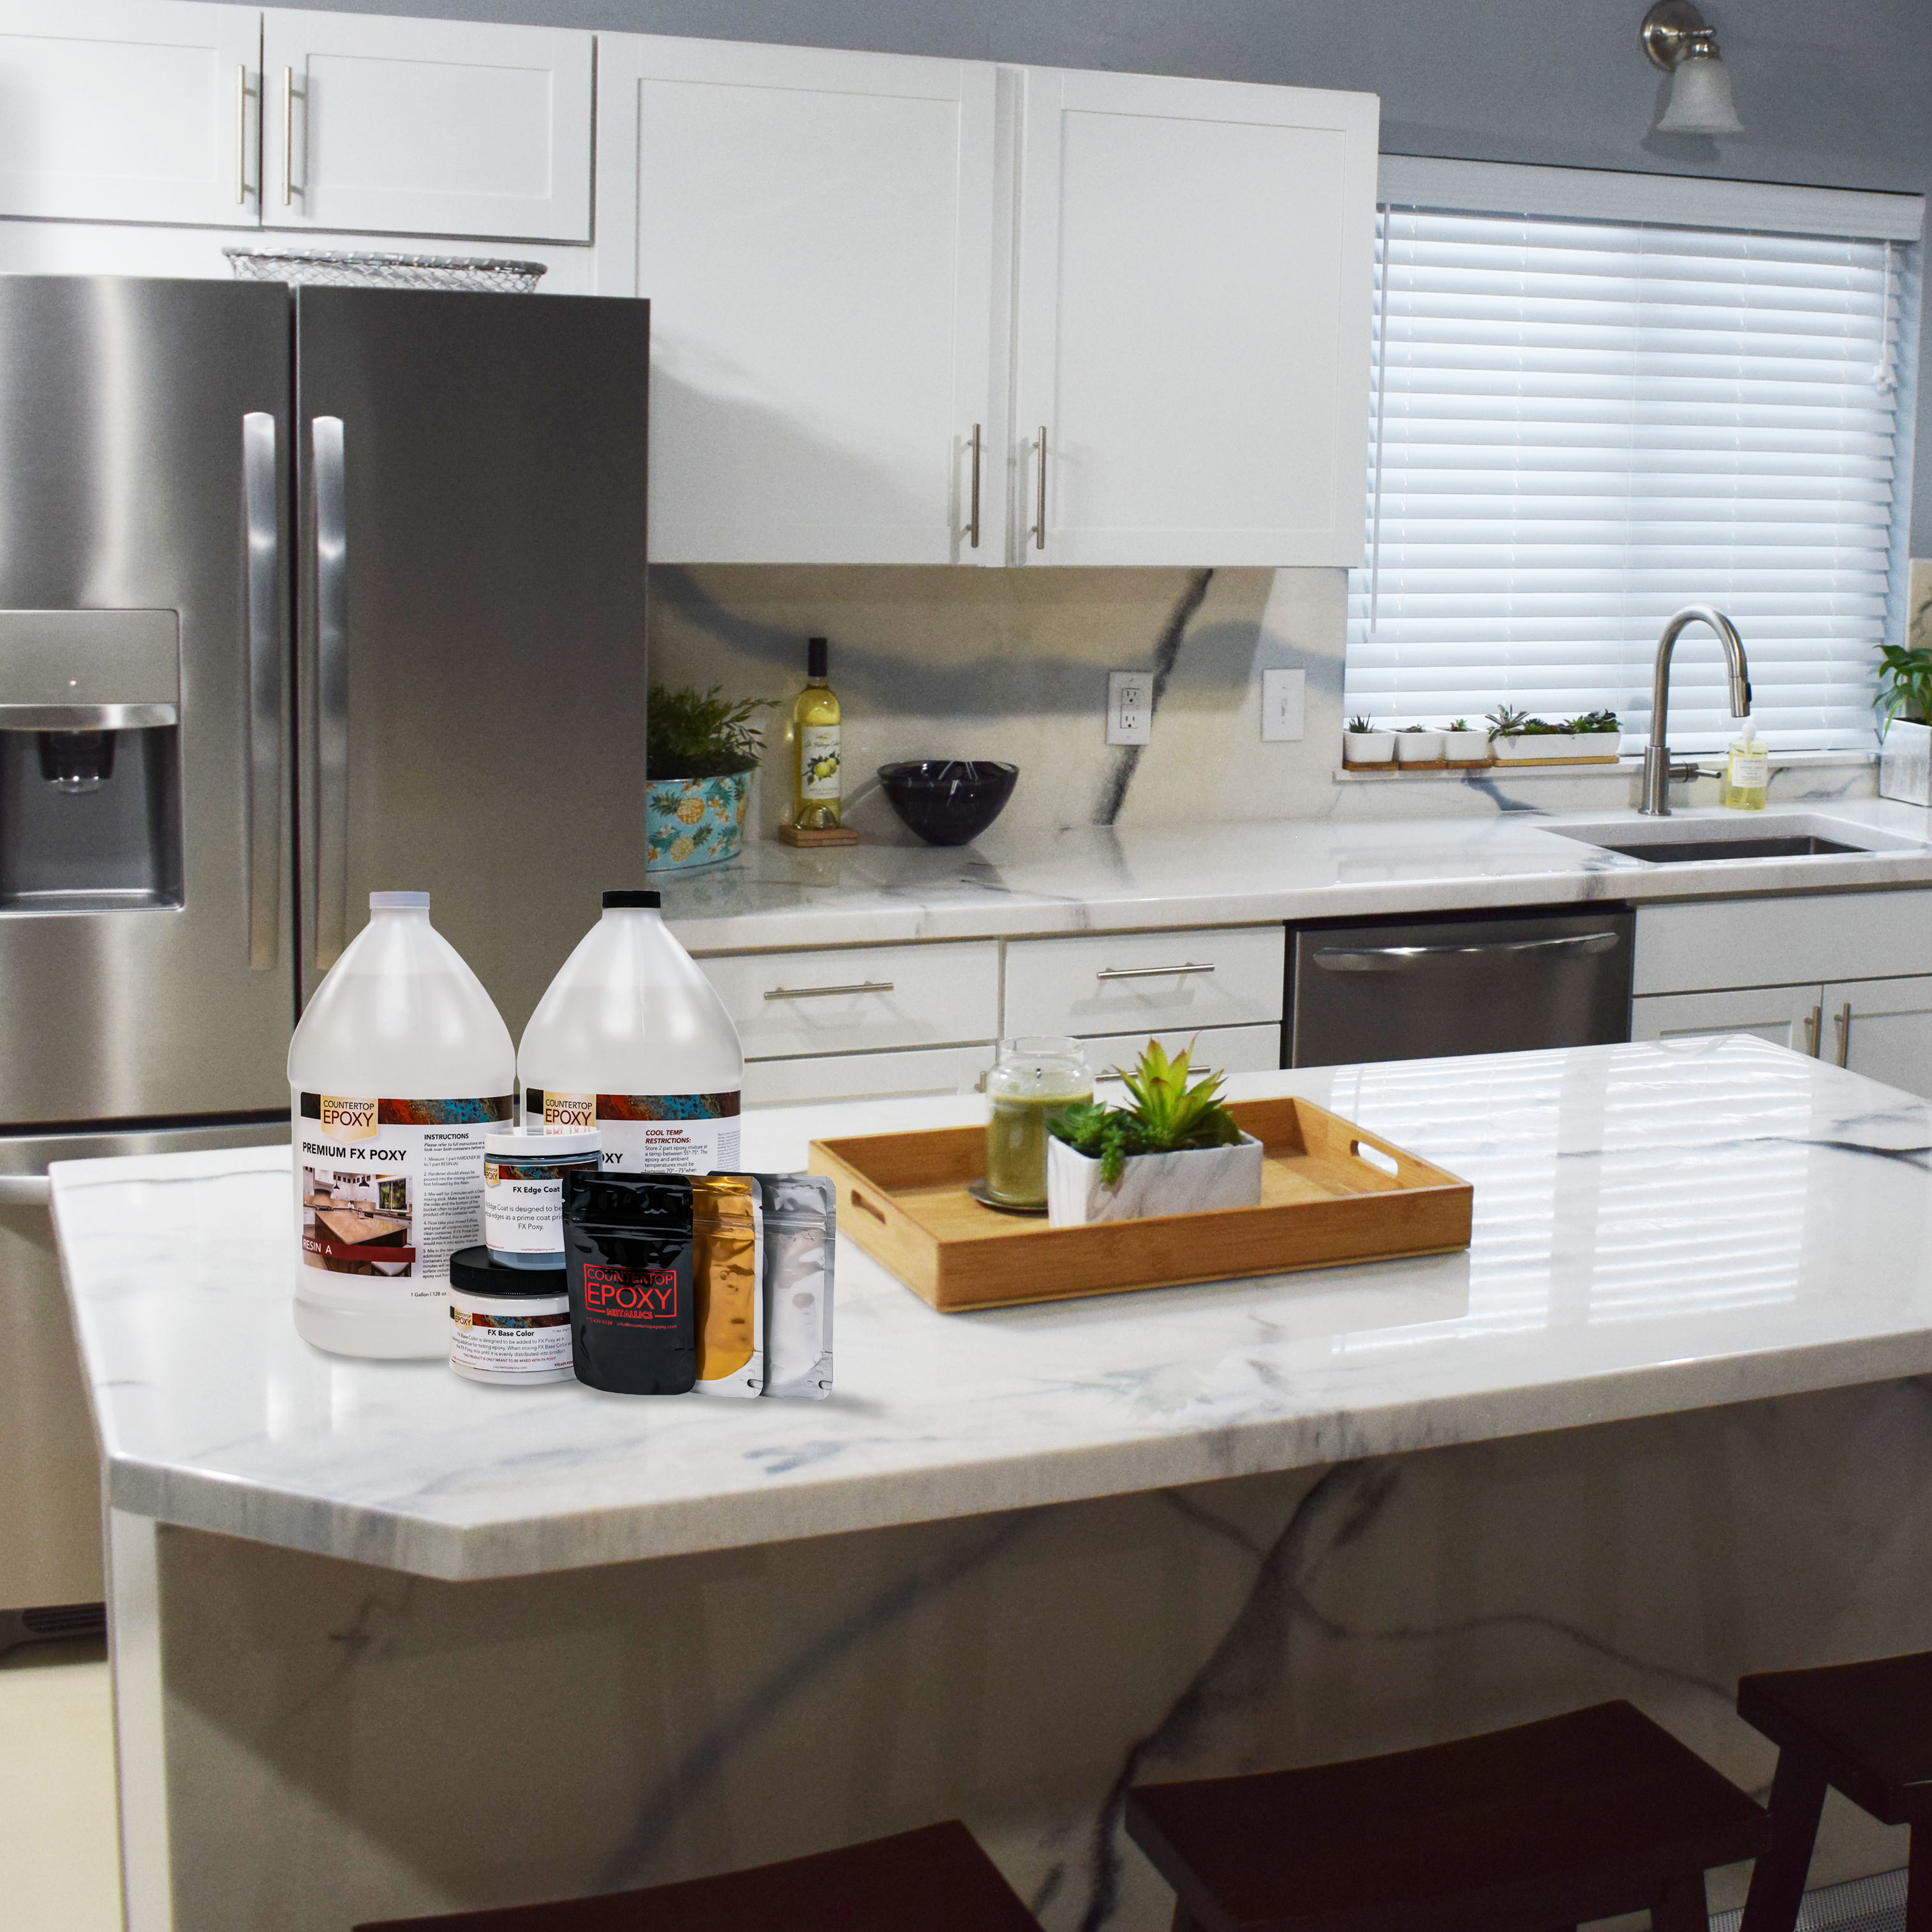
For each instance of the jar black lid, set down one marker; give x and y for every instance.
(652, 900)
(475, 1271)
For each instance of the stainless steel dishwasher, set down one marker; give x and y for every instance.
(1478, 983)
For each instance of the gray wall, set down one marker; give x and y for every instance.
(1836, 95)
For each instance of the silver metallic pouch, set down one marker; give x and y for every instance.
(800, 1241)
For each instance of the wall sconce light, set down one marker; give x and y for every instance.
(1676, 40)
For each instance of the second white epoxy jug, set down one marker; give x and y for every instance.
(399, 1067)
(632, 1039)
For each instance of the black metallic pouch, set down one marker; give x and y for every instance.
(627, 1240)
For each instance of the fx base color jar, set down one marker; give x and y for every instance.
(507, 1324)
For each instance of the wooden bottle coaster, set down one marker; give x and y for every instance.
(817, 835)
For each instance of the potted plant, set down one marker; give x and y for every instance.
(1905, 713)
(700, 752)
(1516, 738)
(1462, 746)
(1176, 1150)
(1417, 744)
(1598, 735)
(1362, 744)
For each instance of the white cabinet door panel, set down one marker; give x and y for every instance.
(427, 126)
(1235, 1049)
(1785, 1015)
(815, 231)
(1195, 272)
(1107, 983)
(1882, 1028)
(863, 998)
(1759, 942)
(130, 110)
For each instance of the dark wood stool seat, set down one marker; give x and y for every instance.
(1864, 1728)
(935, 1879)
(1581, 1816)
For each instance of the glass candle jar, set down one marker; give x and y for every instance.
(1034, 1080)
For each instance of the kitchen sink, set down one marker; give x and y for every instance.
(1685, 841)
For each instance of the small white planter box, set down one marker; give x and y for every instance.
(1556, 748)
(1418, 747)
(1466, 748)
(1192, 1182)
(1368, 747)
(1905, 763)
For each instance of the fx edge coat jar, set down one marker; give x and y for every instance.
(523, 1193)
(507, 1324)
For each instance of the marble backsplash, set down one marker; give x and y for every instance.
(1012, 664)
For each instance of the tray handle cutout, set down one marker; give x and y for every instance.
(1378, 1158)
(866, 1207)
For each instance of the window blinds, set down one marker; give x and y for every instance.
(1580, 426)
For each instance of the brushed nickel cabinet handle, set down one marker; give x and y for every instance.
(1039, 492)
(1844, 1026)
(241, 135)
(288, 136)
(973, 521)
(827, 992)
(1149, 972)
(263, 786)
(25, 1190)
(1814, 1021)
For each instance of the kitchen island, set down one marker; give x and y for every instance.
(388, 1641)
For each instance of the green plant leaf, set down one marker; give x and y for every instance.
(697, 734)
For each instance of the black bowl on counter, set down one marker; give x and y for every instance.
(949, 801)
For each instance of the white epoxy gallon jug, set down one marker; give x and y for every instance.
(399, 1067)
(632, 1040)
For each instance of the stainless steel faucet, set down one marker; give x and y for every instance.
(1657, 754)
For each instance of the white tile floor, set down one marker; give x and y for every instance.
(57, 1837)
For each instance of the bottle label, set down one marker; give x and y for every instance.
(818, 762)
(646, 1133)
(522, 1204)
(386, 1190)
(514, 1337)
(1750, 773)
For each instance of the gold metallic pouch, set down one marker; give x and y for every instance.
(727, 1267)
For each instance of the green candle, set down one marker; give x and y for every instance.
(1035, 1079)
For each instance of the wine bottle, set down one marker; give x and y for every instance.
(814, 745)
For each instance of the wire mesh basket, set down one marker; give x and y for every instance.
(335, 269)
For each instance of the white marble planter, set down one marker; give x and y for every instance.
(1555, 747)
(1905, 763)
(1466, 748)
(1191, 1182)
(1418, 747)
(1368, 747)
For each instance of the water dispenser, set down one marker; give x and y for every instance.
(90, 765)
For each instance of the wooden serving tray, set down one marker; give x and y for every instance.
(902, 1198)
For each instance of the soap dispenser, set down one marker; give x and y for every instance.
(1746, 771)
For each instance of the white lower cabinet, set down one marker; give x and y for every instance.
(865, 1076)
(1099, 984)
(1241, 1049)
(1882, 1028)
(1785, 1015)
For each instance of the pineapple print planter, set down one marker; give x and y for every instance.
(695, 821)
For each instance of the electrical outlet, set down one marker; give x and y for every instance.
(1283, 694)
(1129, 707)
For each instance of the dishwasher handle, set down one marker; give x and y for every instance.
(1405, 958)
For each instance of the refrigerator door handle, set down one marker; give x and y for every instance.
(25, 1190)
(262, 576)
(331, 689)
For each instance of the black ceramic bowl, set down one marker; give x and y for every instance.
(949, 801)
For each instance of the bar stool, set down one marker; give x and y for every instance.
(936, 1879)
(1864, 1728)
(1581, 1816)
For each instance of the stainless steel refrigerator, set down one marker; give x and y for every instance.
(303, 593)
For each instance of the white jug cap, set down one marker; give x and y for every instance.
(399, 902)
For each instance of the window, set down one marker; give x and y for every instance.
(1582, 423)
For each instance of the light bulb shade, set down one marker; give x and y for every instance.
(1700, 99)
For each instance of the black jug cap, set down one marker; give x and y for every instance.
(652, 901)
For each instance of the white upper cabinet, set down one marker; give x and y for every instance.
(815, 231)
(426, 127)
(129, 110)
(1196, 273)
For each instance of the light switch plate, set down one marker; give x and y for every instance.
(1284, 694)
(1129, 707)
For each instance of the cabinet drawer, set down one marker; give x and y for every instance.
(1248, 1049)
(1161, 981)
(860, 999)
(1774, 942)
(865, 1076)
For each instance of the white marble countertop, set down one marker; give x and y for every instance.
(1094, 880)
(1656, 1230)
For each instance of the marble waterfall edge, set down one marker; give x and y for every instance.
(1190, 1182)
